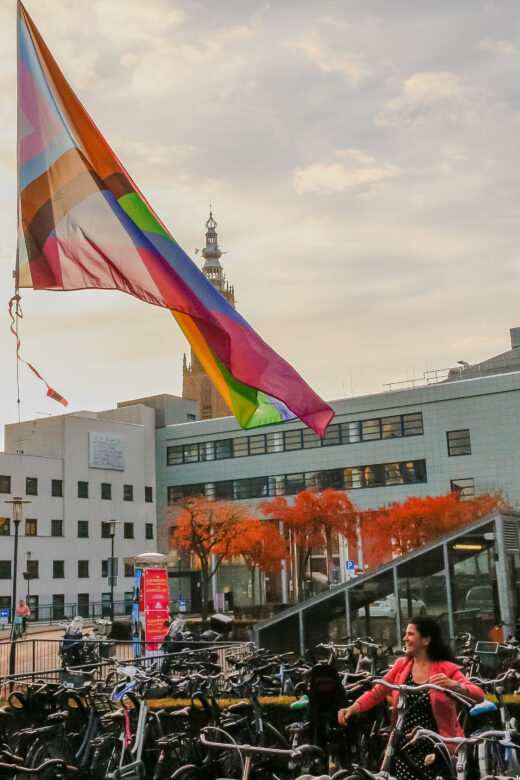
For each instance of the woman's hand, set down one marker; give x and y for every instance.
(344, 715)
(443, 681)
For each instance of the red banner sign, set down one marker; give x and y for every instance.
(156, 606)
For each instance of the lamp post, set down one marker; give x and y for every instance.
(112, 572)
(17, 503)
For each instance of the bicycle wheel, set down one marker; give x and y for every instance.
(188, 772)
(107, 758)
(40, 752)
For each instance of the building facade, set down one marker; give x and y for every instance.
(79, 472)
(461, 434)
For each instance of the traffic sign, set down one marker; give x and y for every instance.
(4, 616)
(112, 581)
(182, 605)
(351, 565)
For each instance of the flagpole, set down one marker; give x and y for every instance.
(17, 261)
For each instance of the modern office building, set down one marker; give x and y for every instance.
(79, 472)
(460, 432)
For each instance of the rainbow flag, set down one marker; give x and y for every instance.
(83, 223)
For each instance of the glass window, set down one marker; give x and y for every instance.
(207, 450)
(353, 477)
(5, 484)
(312, 480)
(242, 489)
(191, 453)
(188, 491)
(82, 568)
(332, 436)
(58, 570)
(391, 427)
(106, 490)
(224, 489)
(240, 448)
(148, 495)
(5, 526)
(331, 478)
(275, 442)
(5, 570)
(148, 530)
(465, 486)
(57, 488)
(413, 424)
(5, 602)
(374, 476)
(58, 606)
(191, 417)
(370, 429)
(257, 445)
(294, 483)
(258, 487)
(56, 527)
(223, 449)
(128, 530)
(459, 442)
(276, 485)
(82, 489)
(83, 604)
(31, 527)
(31, 486)
(82, 529)
(414, 471)
(174, 493)
(104, 568)
(129, 569)
(393, 475)
(33, 568)
(350, 432)
(128, 492)
(173, 456)
(310, 439)
(293, 440)
(105, 530)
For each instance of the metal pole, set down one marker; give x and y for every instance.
(111, 570)
(12, 651)
(449, 591)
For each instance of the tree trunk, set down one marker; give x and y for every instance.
(253, 570)
(205, 581)
(328, 541)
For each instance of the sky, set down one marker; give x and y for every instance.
(362, 161)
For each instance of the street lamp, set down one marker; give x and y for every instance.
(17, 503)
(112, 572)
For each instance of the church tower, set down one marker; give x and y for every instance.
(196, 384)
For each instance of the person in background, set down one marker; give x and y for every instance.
(428, 660)
(24, 612)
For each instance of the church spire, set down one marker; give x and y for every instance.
(212, 254)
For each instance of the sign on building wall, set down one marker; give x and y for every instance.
(106, 451)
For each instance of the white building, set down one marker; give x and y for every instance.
(79, 471)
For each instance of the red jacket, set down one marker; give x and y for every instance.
(444, 707)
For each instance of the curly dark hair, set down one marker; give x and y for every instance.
(438, 649)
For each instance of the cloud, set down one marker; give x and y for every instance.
(349, 65)
(494, 46)
(353, 170)
(436, 95)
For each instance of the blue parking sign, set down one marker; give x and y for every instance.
(350, 565)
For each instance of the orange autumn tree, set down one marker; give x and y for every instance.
(398, 528)
(212, 531)
(316, 520)
(262, 547)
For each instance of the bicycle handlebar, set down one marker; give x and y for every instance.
(466, 700)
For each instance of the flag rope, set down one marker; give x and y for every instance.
(15, 300)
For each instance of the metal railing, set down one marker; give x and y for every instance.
(41, 657)
(51, 613)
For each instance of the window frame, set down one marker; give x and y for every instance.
(53, 526)
(57, 488)
(453, 439)
(56, 569)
